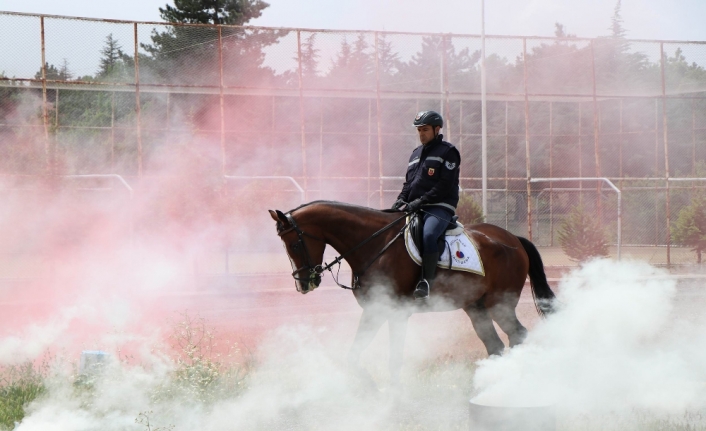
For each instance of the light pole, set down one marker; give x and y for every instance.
(484, 120)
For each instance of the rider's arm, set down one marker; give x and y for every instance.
(448, 180)
(409, 176)
(404, 194)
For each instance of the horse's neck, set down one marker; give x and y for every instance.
(345, 230)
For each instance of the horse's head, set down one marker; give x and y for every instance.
(305, 251)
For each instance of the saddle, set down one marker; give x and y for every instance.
(457, 250)
(416, 229)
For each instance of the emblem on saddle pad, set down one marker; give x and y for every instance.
(431, 172)
(458, 256)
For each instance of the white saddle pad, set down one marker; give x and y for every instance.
(459, 248)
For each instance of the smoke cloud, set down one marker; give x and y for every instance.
(621, 341)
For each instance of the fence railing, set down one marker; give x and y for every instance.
(331, 111)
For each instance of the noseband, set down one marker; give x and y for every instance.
(314, 271)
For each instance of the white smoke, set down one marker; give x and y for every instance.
(618, 343)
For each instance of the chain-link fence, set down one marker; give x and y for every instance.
(327, 114)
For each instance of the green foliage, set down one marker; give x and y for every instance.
(469, 211)
(19, 386)
(231, 12)
(690, 226)
(582, 237)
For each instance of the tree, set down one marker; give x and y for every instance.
(388, 59)
(189, 54)
(114, 63)
(690, 227)
(582, 237)
(231, 12)
(354, 65)
(309, 57)
(468, 210)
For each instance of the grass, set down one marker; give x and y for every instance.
(19, 386)
(202, 373)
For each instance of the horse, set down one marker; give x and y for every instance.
(370, 242)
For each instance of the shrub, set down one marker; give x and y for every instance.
(690, 227)
(469, 211)
(582, 237)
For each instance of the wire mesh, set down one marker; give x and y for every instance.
(332, 111)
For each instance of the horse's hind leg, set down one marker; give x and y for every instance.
(504, 314)
(483, 325)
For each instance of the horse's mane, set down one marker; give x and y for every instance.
(355, 209)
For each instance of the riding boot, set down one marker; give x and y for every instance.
(429, 262)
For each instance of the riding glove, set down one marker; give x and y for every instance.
(399, 203)
(415, 205)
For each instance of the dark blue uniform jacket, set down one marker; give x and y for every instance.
(432, 174)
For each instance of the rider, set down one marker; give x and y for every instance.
(431, 183)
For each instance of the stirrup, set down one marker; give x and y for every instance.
(422, 290)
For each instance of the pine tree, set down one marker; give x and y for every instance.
(231, 12)
(112, 57)
(690, 227)
(616, 29)
(190, 53)
(388, 59)
(309, 57)
(582, 237)
(64, 73)
(469, 211)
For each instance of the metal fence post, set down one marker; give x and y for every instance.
(112, 132)
(596, 135)
(445, 88)
(138, 122)
(551, 174)
(370, 138)
(666, 150)
(302, 126)
(45, 112)
(527, 142)
(221, 100)
(379, 119)
(507, 169)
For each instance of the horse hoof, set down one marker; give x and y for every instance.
(364, 379)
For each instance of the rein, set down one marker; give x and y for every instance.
(315, 271)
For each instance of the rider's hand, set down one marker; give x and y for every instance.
(415, 205)
(399, 203)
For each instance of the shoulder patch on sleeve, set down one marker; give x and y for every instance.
(450, 166)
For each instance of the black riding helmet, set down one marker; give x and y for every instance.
(428, 118)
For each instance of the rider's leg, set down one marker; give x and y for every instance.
(436, 220)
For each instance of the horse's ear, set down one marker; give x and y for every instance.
(279, 217)
(273, 215)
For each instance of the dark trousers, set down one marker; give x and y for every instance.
(434, 227)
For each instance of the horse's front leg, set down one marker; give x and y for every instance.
(370, 322)
(397, 323)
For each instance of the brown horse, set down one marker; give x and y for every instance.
(369, 241)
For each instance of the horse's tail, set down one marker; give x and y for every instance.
(541, 292)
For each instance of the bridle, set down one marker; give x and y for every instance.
(315, 271)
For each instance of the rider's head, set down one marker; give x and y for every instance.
(428, 124)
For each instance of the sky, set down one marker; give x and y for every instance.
(644, 19)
